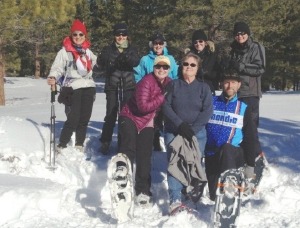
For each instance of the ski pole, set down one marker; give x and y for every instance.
(52, 126)
(121, 93)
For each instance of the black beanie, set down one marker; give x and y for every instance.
(241, 27)
(157, 36)
(120, 28)
(230, 73)
(199, 35)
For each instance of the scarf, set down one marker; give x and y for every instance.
(82, 60)
(122, 46)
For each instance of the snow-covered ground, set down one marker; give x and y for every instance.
(76, 193)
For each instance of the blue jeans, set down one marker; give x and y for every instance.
(175, 185)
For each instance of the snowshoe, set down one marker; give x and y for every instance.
(121, 187)
(229, 197)
(261, 165)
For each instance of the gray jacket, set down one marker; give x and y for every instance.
(185, 162)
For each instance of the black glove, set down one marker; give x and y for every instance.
(167, 89)
(225, 63)
(186, 131)
(238, 66)
(121, 62)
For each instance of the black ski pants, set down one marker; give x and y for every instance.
(78, 115)
(253, 104)
(138, 147)
(228, 157)
(112, 109)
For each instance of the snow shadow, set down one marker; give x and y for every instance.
(280, 141)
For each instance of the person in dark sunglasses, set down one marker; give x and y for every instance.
(187, 109)
(116, 62)
(158, 47)
(136, 125)
(230, 144)
(248, 58)
(72, 70)
(205, 49)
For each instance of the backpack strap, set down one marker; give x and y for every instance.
(68, 66)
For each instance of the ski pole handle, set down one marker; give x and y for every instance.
(53, 93)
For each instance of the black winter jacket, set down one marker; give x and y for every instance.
(209, 68)
(251, 58)
(115, 66)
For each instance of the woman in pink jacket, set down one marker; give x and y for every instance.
(136, 125)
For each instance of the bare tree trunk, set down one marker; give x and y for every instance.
(283, 82)
(37, 61)
(2, 96)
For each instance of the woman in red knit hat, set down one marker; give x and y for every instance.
(72, 70)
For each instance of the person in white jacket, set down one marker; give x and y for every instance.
(72, 70)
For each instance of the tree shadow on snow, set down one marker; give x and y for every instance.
(280, 140)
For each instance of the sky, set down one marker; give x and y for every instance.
(76, 193)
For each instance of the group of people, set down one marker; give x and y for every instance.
(156, 95)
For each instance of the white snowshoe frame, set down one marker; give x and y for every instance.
(121, 191)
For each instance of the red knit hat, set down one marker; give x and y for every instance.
(78, 26)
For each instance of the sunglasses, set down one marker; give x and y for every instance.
(189, 64)
(199, 41)
(121, 34)
(158, 66)
(240, 34)
(77, 34)
(158, 43)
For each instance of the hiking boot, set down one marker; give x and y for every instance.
(230, 188)
(142, 199)
(104, 149)
(80, 148)
(59, 148)
(174, 207)
(249, 188)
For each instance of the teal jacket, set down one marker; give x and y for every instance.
(146, 65)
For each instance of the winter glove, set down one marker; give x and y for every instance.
(249, 172)
(186, 131)
(121, 62)
(225, 63)
(167, 89)
(237, 65)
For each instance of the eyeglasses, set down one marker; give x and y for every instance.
(121, 34)
(158, 43)
(240, 34)
(199, 41)
(77, 34)
(189, 64)
(158, 66)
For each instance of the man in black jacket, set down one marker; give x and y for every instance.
(116, 62)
